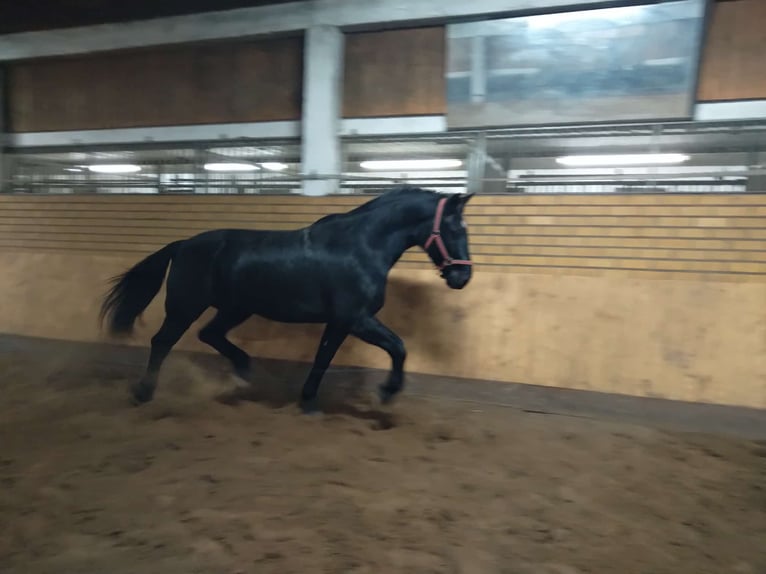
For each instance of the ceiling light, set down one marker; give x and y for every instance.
(114, 168)
(407, 164)
(274, 165)
(621, 160)
(230, 166)
(73, 169)
(241, 152)
(563, 18)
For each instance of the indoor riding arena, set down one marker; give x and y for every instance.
(591, 401)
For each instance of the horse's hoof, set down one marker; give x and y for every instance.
(245, 374)
(310, 408)
(142, 394)
(386, 395)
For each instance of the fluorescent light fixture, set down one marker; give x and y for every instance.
(562, 18)
(73, 169)
(241, 152)
(114, 168)
(410, 164)
(621, 160)
(230, 166)
(274, 165)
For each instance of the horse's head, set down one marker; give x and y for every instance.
(447, 246)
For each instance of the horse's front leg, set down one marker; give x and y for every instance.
(332, 339)
(372, 331)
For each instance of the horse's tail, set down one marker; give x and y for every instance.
(132, 291)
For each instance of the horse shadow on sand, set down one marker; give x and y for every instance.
(346, 391)
(349, 391)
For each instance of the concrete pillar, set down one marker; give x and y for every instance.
(3, 113)
(756, 182)
(496, 170)
(322, 99)
(485, 173)
(475, 164)
(478, 70)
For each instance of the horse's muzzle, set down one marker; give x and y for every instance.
(456, 276)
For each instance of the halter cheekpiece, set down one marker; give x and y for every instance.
(436, 237)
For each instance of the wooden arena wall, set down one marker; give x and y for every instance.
(387, 73)
(395, 73)
(732, 60)
(648, 295)
(246, 81)
(401, 72)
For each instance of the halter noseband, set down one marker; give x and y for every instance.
(436, 237)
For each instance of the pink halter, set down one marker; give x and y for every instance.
(436, 237)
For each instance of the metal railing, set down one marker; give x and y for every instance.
(180, 169)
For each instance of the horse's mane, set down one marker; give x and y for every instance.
(393, 195)
(382, 201)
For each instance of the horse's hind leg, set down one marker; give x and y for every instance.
(332, 339)
(214, 334)
(173, 327)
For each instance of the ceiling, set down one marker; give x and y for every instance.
(35, 15)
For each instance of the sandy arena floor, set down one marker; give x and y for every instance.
(190, 484)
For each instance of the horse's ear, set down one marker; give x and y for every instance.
(457, 201)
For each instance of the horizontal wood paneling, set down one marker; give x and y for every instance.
(181, 85)
(665, 300)
(733, 57)
(394, 73)
(723, 235)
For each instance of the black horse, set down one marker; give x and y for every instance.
(333, 271)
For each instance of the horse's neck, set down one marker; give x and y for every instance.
(396, 232)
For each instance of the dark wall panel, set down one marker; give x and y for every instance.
(394, 73)
(201, 84)
(733, 59)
